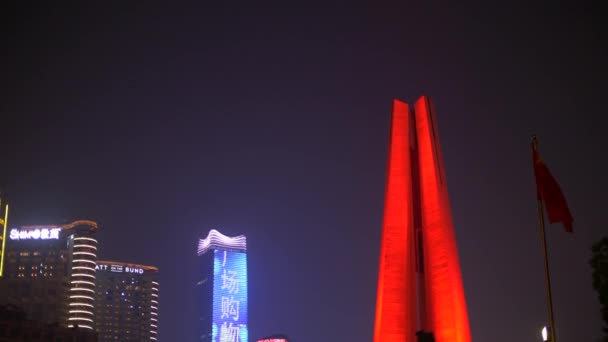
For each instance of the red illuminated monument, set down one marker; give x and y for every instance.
(420, 284)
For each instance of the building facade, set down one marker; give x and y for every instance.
(126, 302)
(221, 289)
(49, 273)
(420, 285)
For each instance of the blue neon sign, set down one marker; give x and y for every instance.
(229, 297)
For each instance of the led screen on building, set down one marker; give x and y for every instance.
(229, 297)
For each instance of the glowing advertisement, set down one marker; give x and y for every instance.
(229, 297)
(35, 234)
(119, 269)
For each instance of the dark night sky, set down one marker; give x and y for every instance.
(271, 120)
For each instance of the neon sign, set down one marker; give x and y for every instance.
(229, 297)
(35, 234)
(119, 269)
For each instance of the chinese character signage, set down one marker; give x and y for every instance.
(35, 234)
(229, 297)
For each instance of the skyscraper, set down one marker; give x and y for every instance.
(49, 272)
(126, 307)
(419, 284)
(222, 288)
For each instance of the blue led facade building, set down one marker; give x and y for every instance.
(222, 289)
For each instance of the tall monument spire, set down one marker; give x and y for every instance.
(396, 302)
(418, 231)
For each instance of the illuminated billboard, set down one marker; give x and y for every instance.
(229, 296)
(35, 234)
(119, 267)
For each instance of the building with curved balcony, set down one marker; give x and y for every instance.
(49, 272)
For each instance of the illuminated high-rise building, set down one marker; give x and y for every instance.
(126, 307)
(49, 273)
(221, 289)
(420, 289)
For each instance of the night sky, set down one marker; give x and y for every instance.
(161, 122)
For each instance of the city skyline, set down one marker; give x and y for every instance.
(54, 277)
(50, 272)
(161, 122)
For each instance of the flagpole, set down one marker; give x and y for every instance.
(541, 221)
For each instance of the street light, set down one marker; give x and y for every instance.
(544, 334)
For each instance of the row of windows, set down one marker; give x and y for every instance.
(109, 317)
(37, 261)
(119, 337)
(116, 298)
(34, 275)
(37, 253)
(110, 305)
(142, 324)
(119, 287)
(36, 267)
(124, 280)
(139, 296)
(50, 251)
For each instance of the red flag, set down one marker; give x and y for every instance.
(548, 190)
